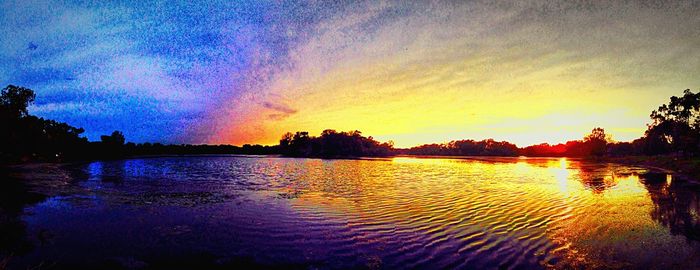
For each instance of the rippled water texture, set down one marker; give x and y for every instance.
(388, 214)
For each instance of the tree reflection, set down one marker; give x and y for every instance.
(597, 178)
(107, 171)
(13, 231)
(676, 204)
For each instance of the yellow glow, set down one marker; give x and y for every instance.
(563, 163)
(562, 175)
(410, 109)
(444, 84)
(585, 209)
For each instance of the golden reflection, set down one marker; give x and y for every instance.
(521, 167)
(422, 160)
(562, 175)
(591, 214)
(562, 163)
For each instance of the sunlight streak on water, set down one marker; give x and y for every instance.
(396, 213)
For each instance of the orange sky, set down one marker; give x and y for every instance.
(522, 73)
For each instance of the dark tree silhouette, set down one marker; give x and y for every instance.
(15, 100)
(675, 126)
(333, 144)
(488, 147)
(26, 137)
(286, 139)
(596, 142)
(116, 139)
(675, 129)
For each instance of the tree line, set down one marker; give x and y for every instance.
(597, 143)
(488, 147)
(594, 144)
(675, 129)
(24, 137)
(333, 144)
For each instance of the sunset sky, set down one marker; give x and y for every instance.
(413, 72)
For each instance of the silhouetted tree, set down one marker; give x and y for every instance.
(675, 126)
(286, 139)
(546, 150)
(488, 147)
(675, 129)
(332, 144)
(111, 146)
(596, 142)
(15, 100)
(25, 137)
(116, 139)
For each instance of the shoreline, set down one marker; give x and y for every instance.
(688, 168)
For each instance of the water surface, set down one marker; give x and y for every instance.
(270, 212)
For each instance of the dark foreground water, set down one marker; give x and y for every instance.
(258, 212)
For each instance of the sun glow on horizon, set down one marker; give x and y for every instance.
(456, 79)
(414, 72)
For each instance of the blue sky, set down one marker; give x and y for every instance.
(409, 71)
(149, 68)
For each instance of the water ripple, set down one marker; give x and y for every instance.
(510, 213)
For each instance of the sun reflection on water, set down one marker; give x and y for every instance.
(562, 175)
(472, 212)
(587, 213)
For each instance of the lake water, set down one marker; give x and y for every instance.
(269, 212)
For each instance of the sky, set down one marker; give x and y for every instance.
(413, 72)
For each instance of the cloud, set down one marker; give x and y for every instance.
(282, 110)
(279, 107)
(101, 109)
(277, 116)
(397, 68)
(91, 68)
(238, 72)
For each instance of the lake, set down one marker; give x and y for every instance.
(395, 213)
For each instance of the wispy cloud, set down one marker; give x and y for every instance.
(391, 69)
(279, 107)
(281, 111)
(387, 68)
